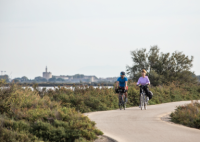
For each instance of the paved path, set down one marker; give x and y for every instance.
(135, 125)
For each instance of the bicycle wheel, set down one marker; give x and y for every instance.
(141, 102)
(145, 106)
(124, 101)
(120, 101)
(145, 103)
(124, 106)
(119, 106)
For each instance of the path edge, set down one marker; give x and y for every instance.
(165, 118)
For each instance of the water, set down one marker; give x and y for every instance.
(56, 87)
(53, 88)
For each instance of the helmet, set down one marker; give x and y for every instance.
(122, 73)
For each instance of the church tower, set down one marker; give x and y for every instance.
(46, 74)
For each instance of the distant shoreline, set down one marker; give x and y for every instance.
(61, 84)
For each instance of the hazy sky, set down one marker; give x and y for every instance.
(92, 37)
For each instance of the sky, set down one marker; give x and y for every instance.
(92, 37)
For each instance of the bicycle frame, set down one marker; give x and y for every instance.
(122, 102)
(143, 99)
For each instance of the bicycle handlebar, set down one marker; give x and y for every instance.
(121, 90)
(143, 85)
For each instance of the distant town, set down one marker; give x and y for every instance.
(48, 77)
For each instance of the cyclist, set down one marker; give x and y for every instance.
(143, 80)
(122, 83)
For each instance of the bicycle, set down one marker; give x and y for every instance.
(143, 97)
(122, 98)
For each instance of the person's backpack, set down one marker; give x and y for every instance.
(150, 95)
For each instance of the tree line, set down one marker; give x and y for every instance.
(162, 68)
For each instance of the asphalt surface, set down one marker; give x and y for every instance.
(135, 125)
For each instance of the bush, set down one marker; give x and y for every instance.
(56, 115)
(27, 116)
(188, 115)
(166, 93)
(85, 99)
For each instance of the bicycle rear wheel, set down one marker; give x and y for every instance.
(120, 107)
(141, 102)
(124, 106)
(124, 101)
(145, 103)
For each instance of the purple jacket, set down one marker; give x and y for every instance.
(143, 80)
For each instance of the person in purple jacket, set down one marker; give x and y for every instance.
(143, 80)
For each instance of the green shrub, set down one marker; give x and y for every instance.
(188, 115)
(7, 135)
(85, 99)
(166, 93)
(27, 116)
(56, 115)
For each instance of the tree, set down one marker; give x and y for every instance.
(53, 79)
(4, 77)
(162, 67)
(60, 79)
(198, 77)
(40, 79)
(15, 80)
(24, 79)
(139, 58)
